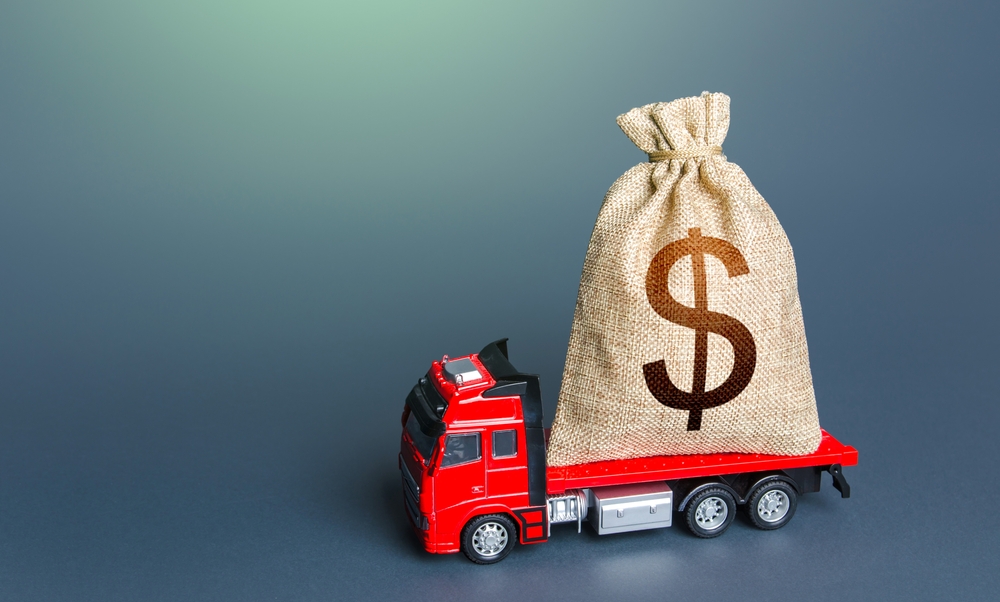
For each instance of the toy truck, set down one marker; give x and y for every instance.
(474, 475)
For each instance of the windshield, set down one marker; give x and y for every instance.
(423, 443)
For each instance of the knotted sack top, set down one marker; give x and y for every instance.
(681, 129)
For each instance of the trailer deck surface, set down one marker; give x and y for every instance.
(666, 468)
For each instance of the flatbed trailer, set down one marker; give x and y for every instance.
(669, 468)
(472, 458)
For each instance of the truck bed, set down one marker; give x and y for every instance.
(666, 468)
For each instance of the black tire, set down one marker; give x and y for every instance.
(710, 512)
(772, 505)
(489, 538)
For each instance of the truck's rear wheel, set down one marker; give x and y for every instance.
(488, 539)
(772, 505)
(711, 512)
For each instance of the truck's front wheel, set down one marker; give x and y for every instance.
(488, 539)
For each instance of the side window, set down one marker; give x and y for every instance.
(504, 444)
(460, 449)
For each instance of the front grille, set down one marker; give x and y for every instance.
(411, 495)
(411, 503)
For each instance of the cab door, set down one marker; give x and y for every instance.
(461, 473)
(506, 465)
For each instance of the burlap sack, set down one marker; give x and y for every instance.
(688, 334)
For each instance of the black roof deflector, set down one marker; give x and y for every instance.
(494, 357)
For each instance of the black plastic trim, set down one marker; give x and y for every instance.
(506, 388)
(430, 423)
(839, 481)
(807, 479)
(773, 477)
(705, 485)
(494, 357)
(535, 442)
(512, 383)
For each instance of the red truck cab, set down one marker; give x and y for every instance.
(472, 458)
(473, 445)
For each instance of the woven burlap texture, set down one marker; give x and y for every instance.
(606, 410)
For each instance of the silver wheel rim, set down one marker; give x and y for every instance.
(489, 539)
(711, 513)
(772, 506)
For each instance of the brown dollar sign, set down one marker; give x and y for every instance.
(703, 322)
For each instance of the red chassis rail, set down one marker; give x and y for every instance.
(666, 468)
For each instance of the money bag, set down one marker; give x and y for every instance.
(688, 335)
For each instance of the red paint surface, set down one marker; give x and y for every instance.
(666, 468)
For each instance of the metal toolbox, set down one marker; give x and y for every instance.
(621, 508)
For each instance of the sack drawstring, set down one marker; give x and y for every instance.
(685, 153)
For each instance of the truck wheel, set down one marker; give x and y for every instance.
(488, 539)
(772, 505)
(711, 512)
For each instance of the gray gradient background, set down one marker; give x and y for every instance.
(233, 234)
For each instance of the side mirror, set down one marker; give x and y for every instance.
(433, 462)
